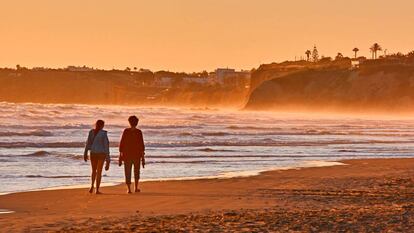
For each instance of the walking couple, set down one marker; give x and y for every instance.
(131, 148)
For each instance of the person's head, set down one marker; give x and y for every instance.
(99, 124)
(133, 121)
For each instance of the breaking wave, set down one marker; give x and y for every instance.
(54, 177)
(40, 153)
(214, 150)
(266, 142)
(39, 133)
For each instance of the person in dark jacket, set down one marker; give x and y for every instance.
(132, 152)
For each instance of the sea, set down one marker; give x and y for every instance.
(41, 145)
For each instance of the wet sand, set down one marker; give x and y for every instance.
(365, 195)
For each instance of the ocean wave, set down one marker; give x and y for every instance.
(269, 142)
(54, 177)
(43, 153)
(51, 154)
(213, 150)
(40, 153)
(207, 161)
(165, 158)
(49, 127)
(238, 156)
(218, 134)
(281, 131)
(266, 142)
(42, 145)
(39, 133)
(180, 162)
(236, 127)
(171, 127)
(184, 134)
(276, 133)
(347, 151)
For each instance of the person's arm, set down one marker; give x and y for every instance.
(108, 157)
(143, 149)
(121, 148)
(141, 142)
(87, 146)
(106, 145)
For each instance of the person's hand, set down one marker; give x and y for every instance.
(85, 157)
(143, 163)
(120, 160)
(107, 165)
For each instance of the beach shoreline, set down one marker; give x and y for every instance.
(366, 185)
(224, 175)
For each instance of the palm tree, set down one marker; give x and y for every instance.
(315, 54)
(374, 49)
(356, 50)
(339, 56)
(308, 53)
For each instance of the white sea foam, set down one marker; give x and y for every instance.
(3, 211)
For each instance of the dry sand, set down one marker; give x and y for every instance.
(365, 196)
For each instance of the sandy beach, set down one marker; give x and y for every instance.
(371, 195)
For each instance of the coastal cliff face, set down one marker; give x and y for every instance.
(276, 70)
(382, 88)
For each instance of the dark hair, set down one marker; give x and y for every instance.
(99, 125)
(133, 121)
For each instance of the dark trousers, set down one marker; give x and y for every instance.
(128, 169)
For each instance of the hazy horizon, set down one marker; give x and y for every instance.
(188, 36)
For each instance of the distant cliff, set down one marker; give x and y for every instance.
(60, 86)
(275, 70)
(376, 87)
(110, 87)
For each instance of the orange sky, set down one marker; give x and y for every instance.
(195, 35)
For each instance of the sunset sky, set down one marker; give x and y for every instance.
(195, 35)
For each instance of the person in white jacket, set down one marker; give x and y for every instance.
(98, 145)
